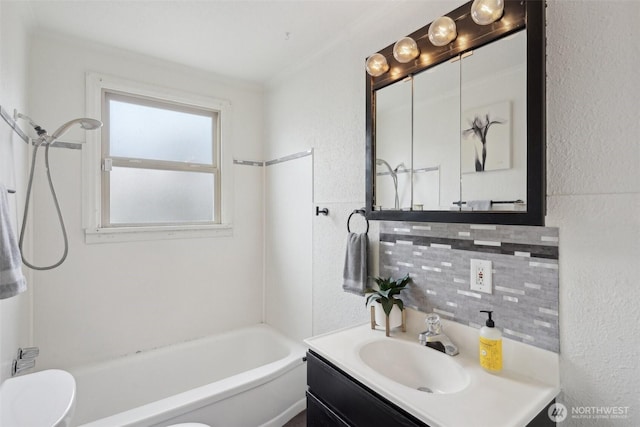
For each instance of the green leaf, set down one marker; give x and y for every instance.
(387, 306)
(383, 293)
(371, 298)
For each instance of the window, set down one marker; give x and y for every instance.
(159, 164)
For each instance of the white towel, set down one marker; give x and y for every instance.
(479, 205)
(355, 264)
(12, 281)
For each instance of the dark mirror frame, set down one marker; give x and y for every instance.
(529, 15)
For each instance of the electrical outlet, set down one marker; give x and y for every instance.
(481, 277)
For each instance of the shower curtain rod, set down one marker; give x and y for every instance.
(11, 122)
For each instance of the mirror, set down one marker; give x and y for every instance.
(436, 132)
(393, 152)
(457, 135)
(493, 144)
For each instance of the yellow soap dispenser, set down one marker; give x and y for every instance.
(490, 346)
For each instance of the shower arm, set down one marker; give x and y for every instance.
(11, 121)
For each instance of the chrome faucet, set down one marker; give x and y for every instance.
(434, 337)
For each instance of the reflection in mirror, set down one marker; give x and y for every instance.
(393, 150)
(436, 137)
(493, 145)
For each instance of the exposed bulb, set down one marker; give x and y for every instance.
(442, 31)
(377, 65)
(405, 50)
(485, 12)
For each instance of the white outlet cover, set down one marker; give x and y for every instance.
(480, 276)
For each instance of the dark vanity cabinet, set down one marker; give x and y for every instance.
(336, 399)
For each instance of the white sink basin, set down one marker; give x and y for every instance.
(43, 399)
(415, 366)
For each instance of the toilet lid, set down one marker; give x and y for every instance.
(44, 398)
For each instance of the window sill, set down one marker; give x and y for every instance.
(138, 234)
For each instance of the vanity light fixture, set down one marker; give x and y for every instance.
(485, 12)
(442, 31)
(377, 65)
(405, 50)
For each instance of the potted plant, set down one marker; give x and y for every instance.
(385, 298)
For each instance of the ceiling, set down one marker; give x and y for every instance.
(253, 40)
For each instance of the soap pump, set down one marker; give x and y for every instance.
(490, 346)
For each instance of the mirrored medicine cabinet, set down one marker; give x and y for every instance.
(458, 133)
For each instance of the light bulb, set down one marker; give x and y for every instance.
(377, 65)
(485, 12)
(442, 31)
(405, 50)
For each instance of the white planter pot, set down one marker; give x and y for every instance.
(395, 317)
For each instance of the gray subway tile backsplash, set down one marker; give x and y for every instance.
(437, 256)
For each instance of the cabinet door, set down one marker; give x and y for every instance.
(351, 401)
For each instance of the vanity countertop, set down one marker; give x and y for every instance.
(528, 382)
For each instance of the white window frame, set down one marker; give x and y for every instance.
(95, 232)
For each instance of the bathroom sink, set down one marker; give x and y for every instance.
(414, 366)
(45, 398)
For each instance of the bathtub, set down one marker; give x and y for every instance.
(246, 378)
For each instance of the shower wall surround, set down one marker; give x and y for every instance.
(437, 256)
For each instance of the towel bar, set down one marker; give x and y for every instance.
(361, 212)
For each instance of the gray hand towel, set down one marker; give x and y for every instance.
(12, 281)
(355, 264)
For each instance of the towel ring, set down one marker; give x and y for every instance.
(361, 212)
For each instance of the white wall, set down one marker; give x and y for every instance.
(593, 162)
(116, 298)
(288, 255)
(15, 313)
(594, 197)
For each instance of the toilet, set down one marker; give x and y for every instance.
(45, 398)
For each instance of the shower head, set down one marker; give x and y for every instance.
(85, 123)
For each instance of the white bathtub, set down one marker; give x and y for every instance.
(246, 378)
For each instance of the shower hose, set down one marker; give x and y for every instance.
(55, 201)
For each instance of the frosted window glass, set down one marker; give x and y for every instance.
(145, 132)
(148, 196)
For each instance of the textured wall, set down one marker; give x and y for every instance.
(594, 198)
(437, 257)
(319, 104)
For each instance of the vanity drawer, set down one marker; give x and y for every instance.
(349, 400)
(320, 415)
